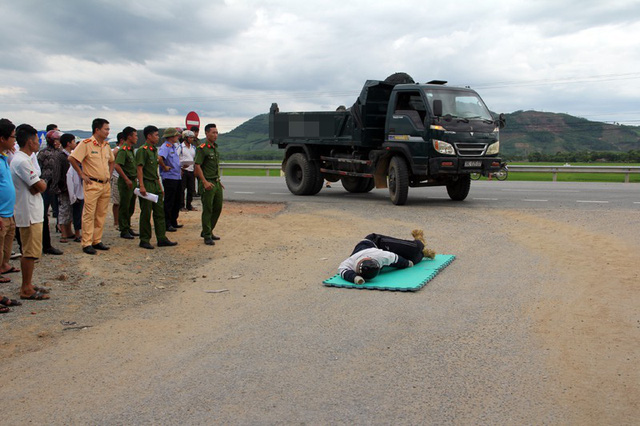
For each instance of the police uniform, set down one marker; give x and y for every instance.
(127, 162)
(95, 158)
(147, 157)
(208, 159)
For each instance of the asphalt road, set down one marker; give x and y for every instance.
(494, 194)
(485, 342)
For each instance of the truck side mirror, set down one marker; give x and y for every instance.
(502, 121)
(437, 107)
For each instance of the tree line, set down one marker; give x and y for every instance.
(631, 156)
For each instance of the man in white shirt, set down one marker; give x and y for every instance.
(187, 153)
(29, 208)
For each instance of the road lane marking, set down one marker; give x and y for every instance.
(539, 190)
(591, 201)
(541, 201)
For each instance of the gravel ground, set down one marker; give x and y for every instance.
(535, 322)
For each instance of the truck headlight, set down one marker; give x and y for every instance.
(494, 148)
(443, 147)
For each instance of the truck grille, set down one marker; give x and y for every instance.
(471, 149)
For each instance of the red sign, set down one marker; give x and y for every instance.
(192, 120)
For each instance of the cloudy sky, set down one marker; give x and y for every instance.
(152, 61)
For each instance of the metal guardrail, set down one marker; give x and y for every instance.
(626, 170)
(259, 166)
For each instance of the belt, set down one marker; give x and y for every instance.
(97, 180)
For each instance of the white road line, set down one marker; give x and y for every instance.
(539, 190)
(486, 199)
(636, 202)
(591, 201)
(541, 201)
(239, 192)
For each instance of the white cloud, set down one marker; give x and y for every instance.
(150, 62)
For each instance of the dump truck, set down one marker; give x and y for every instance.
(398, 134)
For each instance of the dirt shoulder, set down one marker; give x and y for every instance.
(88, 290)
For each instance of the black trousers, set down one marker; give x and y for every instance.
(188, 183)
(171, 201)
(409, 249)
(47, 198)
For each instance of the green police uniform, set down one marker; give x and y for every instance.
(147, 157)
(127, 162)
(208, 159)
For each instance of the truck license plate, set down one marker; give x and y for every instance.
(473, 163)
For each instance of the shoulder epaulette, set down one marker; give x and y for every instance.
(86, 140)
(202, 146)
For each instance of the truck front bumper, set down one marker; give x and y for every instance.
(464, 165)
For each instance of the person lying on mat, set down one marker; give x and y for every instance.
(376, 251)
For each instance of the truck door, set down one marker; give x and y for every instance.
(406, 122)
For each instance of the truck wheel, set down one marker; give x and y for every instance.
(357, 185)
(398, 181)
(319, 182)
(459, 189)
(369, 185)
(300, 175)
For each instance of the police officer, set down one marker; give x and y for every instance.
(207, 170)
(147, 164)
(96, 158)
(127, 182)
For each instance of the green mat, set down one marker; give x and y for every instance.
(392, 279)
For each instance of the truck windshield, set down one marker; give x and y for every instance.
(459, 104)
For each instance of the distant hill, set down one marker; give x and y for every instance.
(544, 132)
(249, 141)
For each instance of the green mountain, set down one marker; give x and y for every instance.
(249, 141)
(527, 132)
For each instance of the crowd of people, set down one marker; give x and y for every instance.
(78, 181)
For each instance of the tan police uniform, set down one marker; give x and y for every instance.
(95, 159)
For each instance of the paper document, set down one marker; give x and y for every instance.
(151, 197)
(186, 162)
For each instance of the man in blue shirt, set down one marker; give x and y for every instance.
(171, 175)
(7, 203)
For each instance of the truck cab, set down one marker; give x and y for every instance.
(447, 130)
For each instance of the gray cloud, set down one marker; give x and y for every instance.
(156, 60)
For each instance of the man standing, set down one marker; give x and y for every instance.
(96, 158)
(115, 193)
(171, 178)
(207, 170)
(29, 208)
(7, 203)
(147, 167)
(187, 153)
(127, 181)
(47, 160)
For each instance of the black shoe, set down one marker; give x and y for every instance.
(209, 242)
(178, 226)
(100, 246)
(171, 229)
(146, 245)
(166, 243)
(215, 237)
(89, 250)
(134, 233)
(52, 250)
(126, 236)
